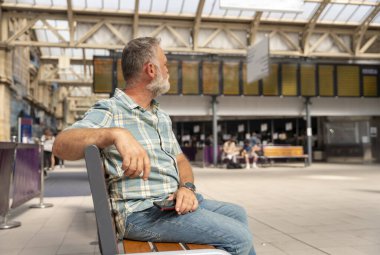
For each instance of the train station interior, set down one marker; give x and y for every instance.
(312, 101)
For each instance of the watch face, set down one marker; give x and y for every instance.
(189, 185)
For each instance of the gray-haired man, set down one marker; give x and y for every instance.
(145, 163)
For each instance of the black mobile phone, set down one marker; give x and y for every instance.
(165, 205)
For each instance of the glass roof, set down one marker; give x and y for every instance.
(352, 12)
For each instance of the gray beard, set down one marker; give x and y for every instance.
(159, 86)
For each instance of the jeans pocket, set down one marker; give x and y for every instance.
(135, 232)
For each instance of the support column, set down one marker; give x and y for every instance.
(309, 131)
(214, 130)
(5, 82)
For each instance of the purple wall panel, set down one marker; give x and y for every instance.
(27, 176)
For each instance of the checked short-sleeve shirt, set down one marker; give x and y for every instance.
(153, 130)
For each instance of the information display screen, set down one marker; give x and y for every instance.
(231, 78)
(249, 89)
(190, 77)
(348, 80)
(102, 75)
(210, 78)
(308, 80)
(289, 79)
(326, 80)
(173, 76)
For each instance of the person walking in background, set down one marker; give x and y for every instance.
(48, 139)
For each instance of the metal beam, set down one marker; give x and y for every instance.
(254, 27)
(197, 23)
(309, 28)
(362, 29)
(90, 32)
(135, 31)
(23, 30)
(70, 19)
(76, 83)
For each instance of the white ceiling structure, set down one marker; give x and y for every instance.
(69, 33)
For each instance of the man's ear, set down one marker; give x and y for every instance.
(150, 70)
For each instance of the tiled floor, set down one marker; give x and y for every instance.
(323, 209)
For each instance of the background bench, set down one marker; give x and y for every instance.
(284, 152)
(108, 242)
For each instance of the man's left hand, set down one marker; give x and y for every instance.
(186, 201)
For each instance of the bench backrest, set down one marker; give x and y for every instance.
(106, 232)
(283, 151)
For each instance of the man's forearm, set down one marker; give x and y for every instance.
(185, 170)
(70, 144)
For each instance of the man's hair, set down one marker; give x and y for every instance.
(135, 54)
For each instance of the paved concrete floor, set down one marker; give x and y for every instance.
(323, 209)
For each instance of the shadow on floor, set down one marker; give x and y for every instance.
(66, 184)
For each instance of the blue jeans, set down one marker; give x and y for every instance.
(223, 225)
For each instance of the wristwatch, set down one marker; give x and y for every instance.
(189, 185)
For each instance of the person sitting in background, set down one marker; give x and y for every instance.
(230, 150)
(250, 151)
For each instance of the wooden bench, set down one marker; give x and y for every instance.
(108, 243)
(284, 152)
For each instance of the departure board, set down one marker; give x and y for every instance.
(249, 89)
(348, 80)
(289, 79)
(308, 80)
(369, 86)
(270, 83)
(102, 75)
(231, 78)
(173, 76)
(210, 77)
(326, 80)
(190, 78)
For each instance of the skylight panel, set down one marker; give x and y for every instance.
(127, 5)
(376, 20)
(308, 10)
(159, 6)
(175, 6)
(145, 5)
(247, 13)
(331, 12)
(111, 4)
(91, 4)
(44, 2)
(60, 3)
(79, 4)
(190, 6)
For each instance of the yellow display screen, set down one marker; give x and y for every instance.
(210, 78)
(326, 80)
(289, 79)
(308, 80)
(348, 80)
(190, 74)
(369, 86)
(249, 89)
(102, 75)
(231, 78)
(270, 83)
(173, 76)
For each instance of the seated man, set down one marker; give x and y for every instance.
(145, 164)
(230, 150)
(250, 151)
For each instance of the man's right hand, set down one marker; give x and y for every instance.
(70, 145)
(135, 158)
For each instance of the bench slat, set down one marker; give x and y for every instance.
(131, 246)
(168, 246)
